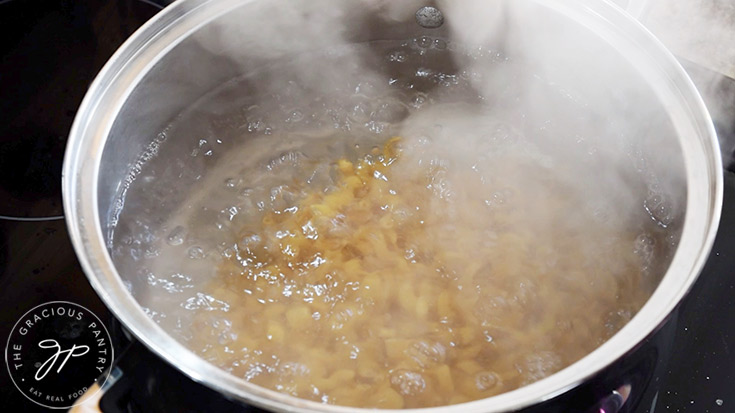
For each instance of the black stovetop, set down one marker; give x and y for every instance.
(49, 53)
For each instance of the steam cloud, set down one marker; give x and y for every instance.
(576, 99)
(702, 32)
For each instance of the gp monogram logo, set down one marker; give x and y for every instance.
(56, 351)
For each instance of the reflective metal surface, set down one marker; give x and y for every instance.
(133, 99)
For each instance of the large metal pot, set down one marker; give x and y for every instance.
(134, 98)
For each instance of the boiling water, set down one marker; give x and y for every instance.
(538, 224)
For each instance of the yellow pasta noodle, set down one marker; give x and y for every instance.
(390, 289)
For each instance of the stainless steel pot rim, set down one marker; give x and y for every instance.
(115, 82)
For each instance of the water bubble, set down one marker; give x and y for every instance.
(205, 302)
(425, 140)
(408, 383)
(228, 214)
(246, 192)
(226, 337)
(377, 127)
(286, 159)
(176, 236)
(440, 44)
(232, 183)
(486, 380)
(338, 117)
(249, 241)
(255, 125)
(424, 42)
(390, 111)
(196, 253)
(643, 244)
(446, 80)
(283, 197)
(660, 208)
(155, 315)
(398, 56)
(135, 253)
(178, 284)
(295, 369)
(418, 100)
(151, 252)
(203, 147)
(499, 197)
(719, 402)
(339, 318)
(439, 184)
(360, 113)
(295, 116)
(424, 72)
(427, 353)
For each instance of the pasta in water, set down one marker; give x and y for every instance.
(395, 288)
